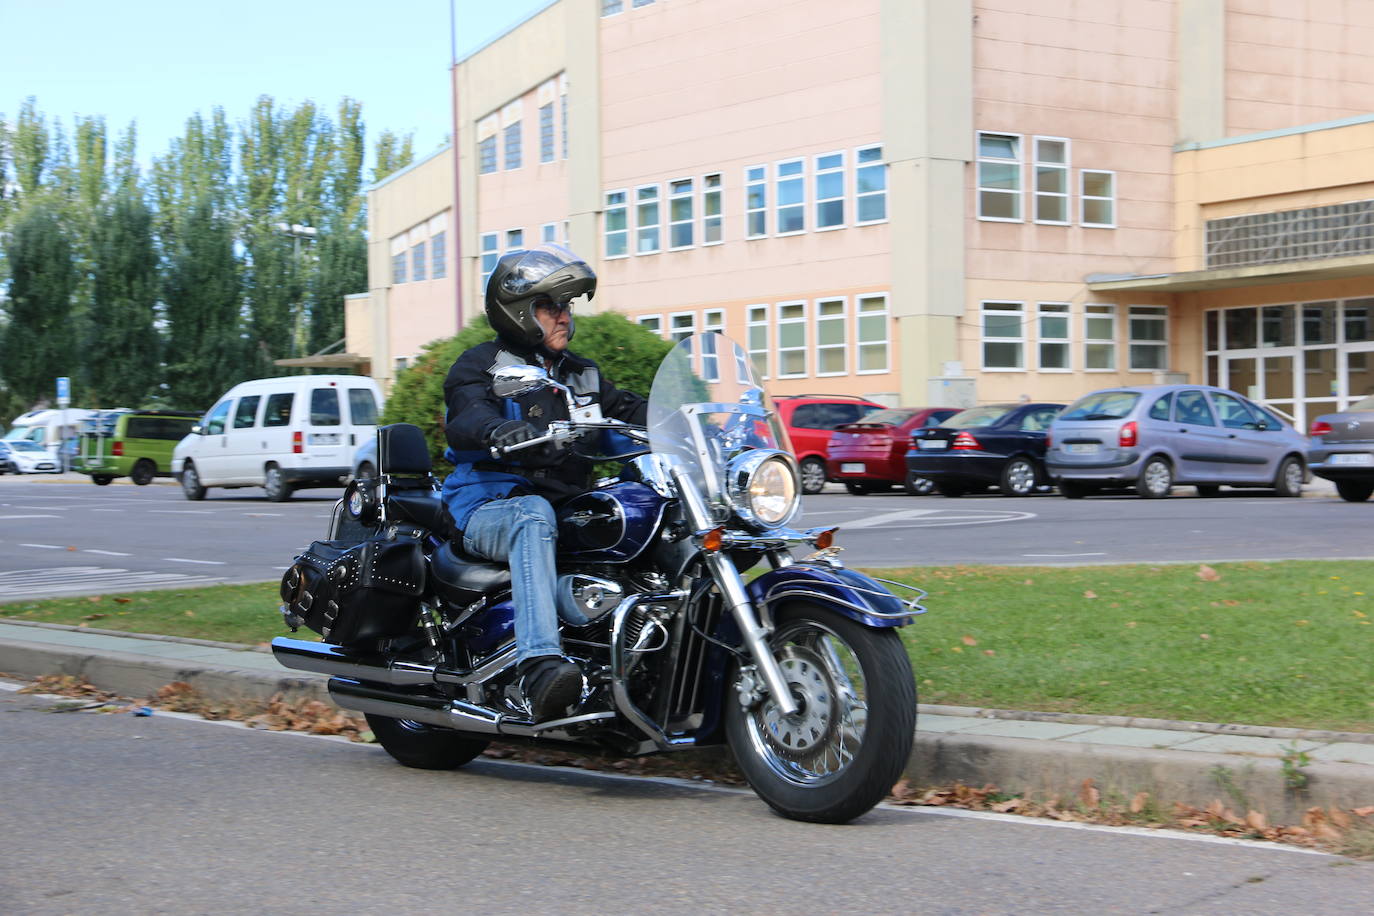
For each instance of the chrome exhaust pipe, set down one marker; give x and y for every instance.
(337, 661)
(439, 711)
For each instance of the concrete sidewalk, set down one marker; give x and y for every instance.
(1042, 754)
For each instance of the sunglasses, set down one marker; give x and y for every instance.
(554, 308)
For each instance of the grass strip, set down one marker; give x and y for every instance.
(1285, 644)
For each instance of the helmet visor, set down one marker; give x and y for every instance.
(537, 264)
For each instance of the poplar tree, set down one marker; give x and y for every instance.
(126, 370)
(37, 342)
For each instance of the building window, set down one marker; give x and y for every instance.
(1099, 338)
(565, 233)
(713, 321)
(999, 177)
(1004, 335)
(1052, 319)
(1052, 180)
(791, 339)
(652, 323)
(830, 191)
(486, 155)
(491, 253)
(511, 134)
(546, 132)
(438, 248)
(710, 358)
(548, 232)
(756, 201)
(563, 122)
(791, 197)
(758, 339)
(871, 333)
(515, 238)
(870, 185)
(1148, 328)
(1097, 197)
(417, 262)
(611, 7)
(617, 230)
(681, 219)
(398, 267)
(681, 325)
(832, 344)
(711, 225)
(647, 220)
(638, 3)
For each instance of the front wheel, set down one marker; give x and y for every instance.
(1156, 479)
(425, 747)
(917, 486)
(812, 476)
(190, 482)
(278, 490)
(143, 472)
(851, 736)
(1354, 491)
(1288, 481)
(100, 480)
(1018, 477)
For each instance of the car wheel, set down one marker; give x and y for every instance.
(278, 490)
(101, 480)
(950, 489)
(918, 486)
(1072, 489)
(143, 472)
(858, 489)
(812, 476)
(1018, 477)
(190, 482)
(1208, 489)
(365, 471)
(1288, 481)
(1156, 479)
(1354, 491)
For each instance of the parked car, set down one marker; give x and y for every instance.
(810, 419)
(1154, 437)
(1001, 445)
(281, 434)
(22, 456)
(870, 455)
(136, 444)
(365, 460)
(1342, 449)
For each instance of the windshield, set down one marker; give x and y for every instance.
(888, 416)
(1102, 405)
(978, 416)
(22, 445)
(706, 406)
(1364, 403)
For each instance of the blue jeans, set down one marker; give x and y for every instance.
(521, 531)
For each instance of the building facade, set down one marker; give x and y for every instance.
(920, 201)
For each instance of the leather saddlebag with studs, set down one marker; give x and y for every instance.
(352, 593)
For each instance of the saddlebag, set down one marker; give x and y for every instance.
(351, 592)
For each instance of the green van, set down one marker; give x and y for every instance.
(131, 443)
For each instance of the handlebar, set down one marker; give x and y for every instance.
(566, 430)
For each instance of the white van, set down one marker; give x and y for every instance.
(49, 428)
(282, 434)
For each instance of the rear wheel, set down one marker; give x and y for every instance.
(917, 486)
(278, 490)
(950, 489)
(1354, 491)
(1018, 477)
(849, 740)
(143, 472)
(1156, 479)
(1288, 481)
(1208, 489)
(858, 489)
(190, 482)
(425, 747)
(101, 480)
(366, 471)
(1072, 489)
(812, 475)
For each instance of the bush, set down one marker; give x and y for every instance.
(627, 354)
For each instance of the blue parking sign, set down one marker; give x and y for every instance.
(64, 391)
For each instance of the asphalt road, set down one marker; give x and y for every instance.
(59, 537)
(118, 814)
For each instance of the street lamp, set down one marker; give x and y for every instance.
(297, 232)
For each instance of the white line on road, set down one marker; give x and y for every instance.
(108, 553)
(44, 546)
(886, 517)
(7, 517)
(202, 562)
(264, 514)
(183, 511)
(1099, 554)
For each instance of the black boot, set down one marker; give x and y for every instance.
(551, 684)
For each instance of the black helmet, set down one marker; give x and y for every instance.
(524, 279)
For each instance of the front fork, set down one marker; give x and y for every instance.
(732, 591)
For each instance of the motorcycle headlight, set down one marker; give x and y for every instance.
(762, 487)
(360, 501)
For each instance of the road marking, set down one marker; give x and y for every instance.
(183, 511)
(1063, 554)
(67, 580)
(109, 553)
(7, 517)
(874, 520)
(936, 518)
(45, 546)
(264, 514)
(202, 562)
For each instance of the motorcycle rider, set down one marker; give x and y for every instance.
(503, 508)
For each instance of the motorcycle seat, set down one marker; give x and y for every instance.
(462, 579)
(423, 507)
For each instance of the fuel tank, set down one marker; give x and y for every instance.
(610, 525)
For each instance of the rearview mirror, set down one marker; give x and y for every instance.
(513, 381)
(197, 430)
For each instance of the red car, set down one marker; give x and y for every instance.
(810, 419)
(870, 455)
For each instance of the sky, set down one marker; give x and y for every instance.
(157, 62)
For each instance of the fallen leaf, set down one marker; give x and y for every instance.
(1008, 806)
(1256, 820)
(1090, 594)
(1088, 794)
(94, 616)
(189, 613)
(989, 652)
(968, 640)
(1207, 573)
(1300, 623)
(956, 648)
(123, 600)
(1340, 819)
(1365, 811)
(71, 548)
(1131, 625)
(94, 598)
(1203, 636)
(1139, 802)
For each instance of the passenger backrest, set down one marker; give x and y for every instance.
(402, 449)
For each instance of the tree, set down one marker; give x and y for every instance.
(393, 153)
(125, 294)
(37, 342)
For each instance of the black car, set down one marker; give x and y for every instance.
(1001, 445)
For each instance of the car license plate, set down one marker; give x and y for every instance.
(1360, 458)
(1080, 448)
(852, 467)
(933, 443)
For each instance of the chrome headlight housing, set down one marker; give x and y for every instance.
(763, 487)
(360, 501)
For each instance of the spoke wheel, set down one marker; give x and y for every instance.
(918, 486)
(812, 476)
(1018, 477)
(1156, 479)
(190, 482)
(1288, 481)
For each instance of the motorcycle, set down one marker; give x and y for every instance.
(800, 670)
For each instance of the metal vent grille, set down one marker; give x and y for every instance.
(1334, 231)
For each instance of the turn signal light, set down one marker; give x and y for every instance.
(117, 448)
(713, 539)
(297, 443)
(965, 441)
(1129, 436)
(825, 539)
(1321, 428)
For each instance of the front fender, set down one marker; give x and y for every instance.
(846, 591)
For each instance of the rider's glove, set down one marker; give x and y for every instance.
(512, 432)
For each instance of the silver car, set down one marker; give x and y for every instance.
(1342, 449)
(1153, 437)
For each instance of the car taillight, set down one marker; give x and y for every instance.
(1049, 439)
(297, 444)
(1321, 428)
(965, 441)
(1129, 436)
(117, 449)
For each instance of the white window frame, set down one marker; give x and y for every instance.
(419, 261)
(438, 255)
(1065, 168)
(780, 350)
(566, 225)
(495, 155)
(506, 239)
(494, 251)
(778, 206)
(860, 343)
(1099, 310)
(860, 166)
(606, 232)
(1136, 313)
(612, 8)
(842, 319)
(749, 185)
(756, 316)
(513, 129)
(816, 173)
(677, 333)
(548, 233)
(640, 227)
(676, 196)
(707, 220)
(712, 321)
(1084, 198)
(1016, 193)
(1019, 313)
(546, 134)
(1061, 310)
(656, 320)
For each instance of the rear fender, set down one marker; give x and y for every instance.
(845, 591)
